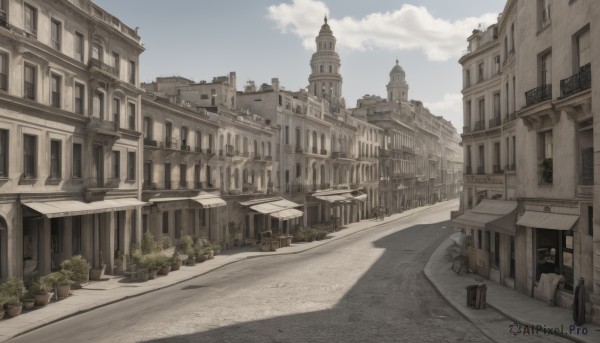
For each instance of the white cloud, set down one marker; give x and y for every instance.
(408, 28)
(450, 107)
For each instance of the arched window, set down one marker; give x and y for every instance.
(322, 142)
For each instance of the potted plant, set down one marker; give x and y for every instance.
(79, 268)
(288, 240)
(186, 243)
(201, 254)
(98, 272)
(167, 242)
(217, 248)
(13, 287)
(61, 282)
(28, 301)
(265, 244)
(3, 300)
(175, 261)
(164, 264)
(14, 306)
(41, 291)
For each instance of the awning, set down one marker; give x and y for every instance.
(259, 201)
(159, 200)
(209, 200)
(68, 208)
(344, 197)
(274, 206)
(287, 214)
(547, 220)
(285, 203)
(494, 215)
(360, 197)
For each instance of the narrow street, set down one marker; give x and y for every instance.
(367, 287)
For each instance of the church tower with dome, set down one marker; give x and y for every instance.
(325, 80)
(397, 88)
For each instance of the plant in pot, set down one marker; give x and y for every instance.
(141, 263)
(167, 241)
(40, 290)
(3, 300)
(201, 253)
(153, 265)
(13, 287)
(14, 306)
(61, 282)
(217, 248)
(175, 261)
(97, 273)
(79, 268)
(28, 301)
(186, 243)
(164, 263)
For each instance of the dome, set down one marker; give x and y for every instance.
(397, 69)
(325, 29)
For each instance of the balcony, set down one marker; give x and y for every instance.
(466, 129)
(183, 184)
(185, 147)
(95, 182)
(479, 125)
(229, 150)
(210, 151)
(249, 188)
(198, 149)
(150, 142)
(103, 129)
(149, 186)
(497, 169)
(221, 152)
(495, 122)
(384, 153)
(323, 152)
(288, 149)
(577, 82)
(295, 188)
(171, 144)
(509, 118)
(104, 68)
(269, 158)
(538, 94)
(480, 170)
(245, 154)
(337, 154)
(299, 149)
(315, 150)
(258, 157)
(510, 167)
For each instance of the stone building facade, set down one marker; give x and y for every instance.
(70, 135)
(530, 208)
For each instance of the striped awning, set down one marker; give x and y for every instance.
(68, 208)
(287, 214)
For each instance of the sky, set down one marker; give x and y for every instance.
(264, 39)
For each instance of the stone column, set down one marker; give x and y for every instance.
(45, 257)
(127, 233)
(67, 238)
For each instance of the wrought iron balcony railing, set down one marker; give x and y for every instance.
(538, 94)
(479, 125)
(480, 170)
(494, 122)
(577, 82)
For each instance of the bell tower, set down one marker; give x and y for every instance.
(325, 80)
(397, 88)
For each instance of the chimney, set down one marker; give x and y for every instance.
(232, 79)
(275, 84)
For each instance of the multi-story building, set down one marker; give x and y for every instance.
(533, 216)
(419, 156)
(205, 149)
(70, 140)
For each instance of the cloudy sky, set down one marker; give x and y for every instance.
(262, 39)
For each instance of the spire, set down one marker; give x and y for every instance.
(326, 19)
(396, 61)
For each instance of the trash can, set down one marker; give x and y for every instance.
(480, 302)
(471, 295)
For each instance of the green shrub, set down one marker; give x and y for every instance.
(59, 278)
(167, 242)
(13, 287)
(321, 234)
(186, 243)
(41, 286)
(14, 301)
(298, 236)
(78, 266)
(149, 245)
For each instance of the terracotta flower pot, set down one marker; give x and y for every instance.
(96, 273)
(142, 275)
(62, 291)
(164, 270)
(151, 274)
(42, 299)
(28, 304)
(190, 261)
(201, 258)
(211, 254)
(14, 311)
(175, 266)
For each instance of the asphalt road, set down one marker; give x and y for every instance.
(366, 287)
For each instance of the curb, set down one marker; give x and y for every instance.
(211, 270)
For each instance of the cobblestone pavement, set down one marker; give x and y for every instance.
(367, 287)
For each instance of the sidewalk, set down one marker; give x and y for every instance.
(507, 306)
(101, 293)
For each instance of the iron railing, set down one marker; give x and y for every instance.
(577, 82)
(494, 122)
(538, 94)
(103, 66)
(479, 125)
(480, 170)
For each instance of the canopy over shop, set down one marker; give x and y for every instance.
(272, 209)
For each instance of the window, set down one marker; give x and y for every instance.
(496, 262)
(30, 19)
(3, 153)
(3, 71)
(55, 91)
(167, 176)
(468, 115)
(184, 138)
(197, 169)
(147, 129)
(591, 221)
(497, 168)
(55, 149)
(545, 167)
(79, 46)
(543, 13)
(97, 53)
(77, 162)
(147, 173)
(117, 112)
(545, 69)
(467, 78)
(512, 38)
(168, 130)
(298, 170)
(131, 162)
(481, 165)
(586, 153)
(583, 50)
(496, 105)
(116, 62)
(131, 116)
(497, 64)
(29, 156)
(116, 164)
(554, 254)
(131, 72)
(79, 96)
(29, 86)
(99, 105)
(183, 175)
(56, 34)
(3, 6)
(198, 141)
(287, 134)
(76, 237)
(480, 72)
